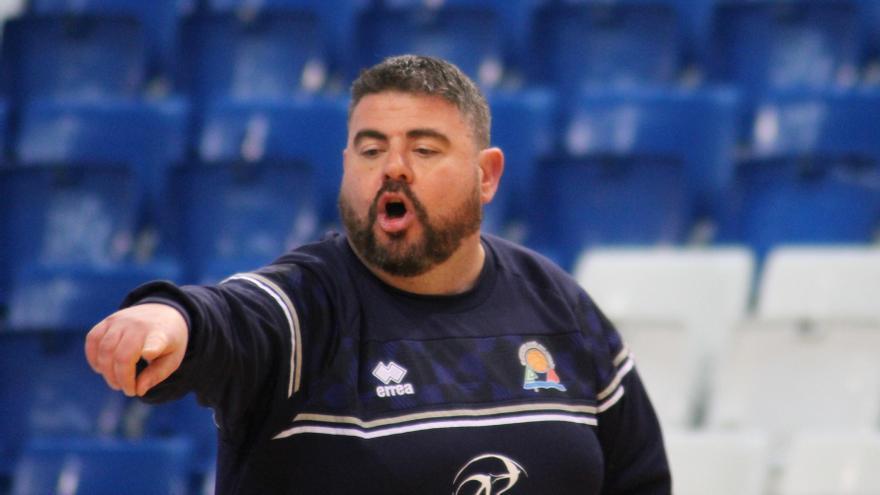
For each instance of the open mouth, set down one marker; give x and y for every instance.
(395, 215)
(395, 209)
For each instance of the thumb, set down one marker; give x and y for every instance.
(155, 345)
(158, 370)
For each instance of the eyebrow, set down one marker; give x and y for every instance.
(413, 134)
(369, 133)
(428, 133)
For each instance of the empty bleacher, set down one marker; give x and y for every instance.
(709, 170)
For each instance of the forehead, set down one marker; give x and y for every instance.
(393, 111)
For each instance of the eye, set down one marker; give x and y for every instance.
(370, 152)
(425, 152)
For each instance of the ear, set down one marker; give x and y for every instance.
(491, 162)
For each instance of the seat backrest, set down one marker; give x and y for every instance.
(767, 44)
(48, 390)
(158, 17)
(145, 137)
(577, 44)
(718, 462)
(310, 130)
(467, 33)
(103, 466)
(810, 173)
(706, 290)
(637, 166)
(771, 373)
(239, 216)
(522, 126)
(84, 57)
(819, 463)
(58, 215)
(821, 283)
(268, 55)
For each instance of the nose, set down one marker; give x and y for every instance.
(397, 167)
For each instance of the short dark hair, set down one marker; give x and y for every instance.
(429, 76)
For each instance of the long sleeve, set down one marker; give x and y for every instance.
(632, 444)
(628, 429)
(245, 341)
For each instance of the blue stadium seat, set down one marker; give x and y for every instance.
(184, 418)
(271, 54)
(523, 127)
(158, 17)
(307, 129)
(336, 18)
(71, 233)
(83, 57)
(618, 44)
(468, 33)
(89, 176)
(765, 44)
(240, 216)
(638, 167)
(48, 390)
(812, 174)
(97, 466)
(145, 137)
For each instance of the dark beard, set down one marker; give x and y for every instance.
(437, 244)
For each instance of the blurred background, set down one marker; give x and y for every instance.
(707, 169)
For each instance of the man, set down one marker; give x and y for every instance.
(411, 355)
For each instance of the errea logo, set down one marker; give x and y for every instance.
(388, 373)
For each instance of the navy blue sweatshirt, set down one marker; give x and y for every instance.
(325, 380)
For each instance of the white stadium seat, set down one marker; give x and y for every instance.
(821, 283)
(832, 463)
(784, 379)
(717, 463)
(675, 308)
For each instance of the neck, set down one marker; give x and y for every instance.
(456, 275)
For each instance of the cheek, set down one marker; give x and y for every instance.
(357, 190)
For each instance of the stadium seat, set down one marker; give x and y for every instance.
(766, 44)
(71, 232)
(159, 19)
(466, 32)
(821, 284)
(269, 54)
(785, 379)
(239, 216)
(717, 462)
(143, 136)
(97, 466)
(811, 171)
(522, 126)
(821, 463)
(183, 418)
(82, 57)
(675, 309)
(48, 390)
(617, 44)
(304, 129)
(639, 167)
(88, 178)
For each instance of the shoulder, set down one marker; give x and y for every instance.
(529, 267)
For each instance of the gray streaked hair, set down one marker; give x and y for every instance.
(428, 76)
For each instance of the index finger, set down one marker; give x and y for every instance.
(93, 338)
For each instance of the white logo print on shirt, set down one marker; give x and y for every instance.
(392, 372)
